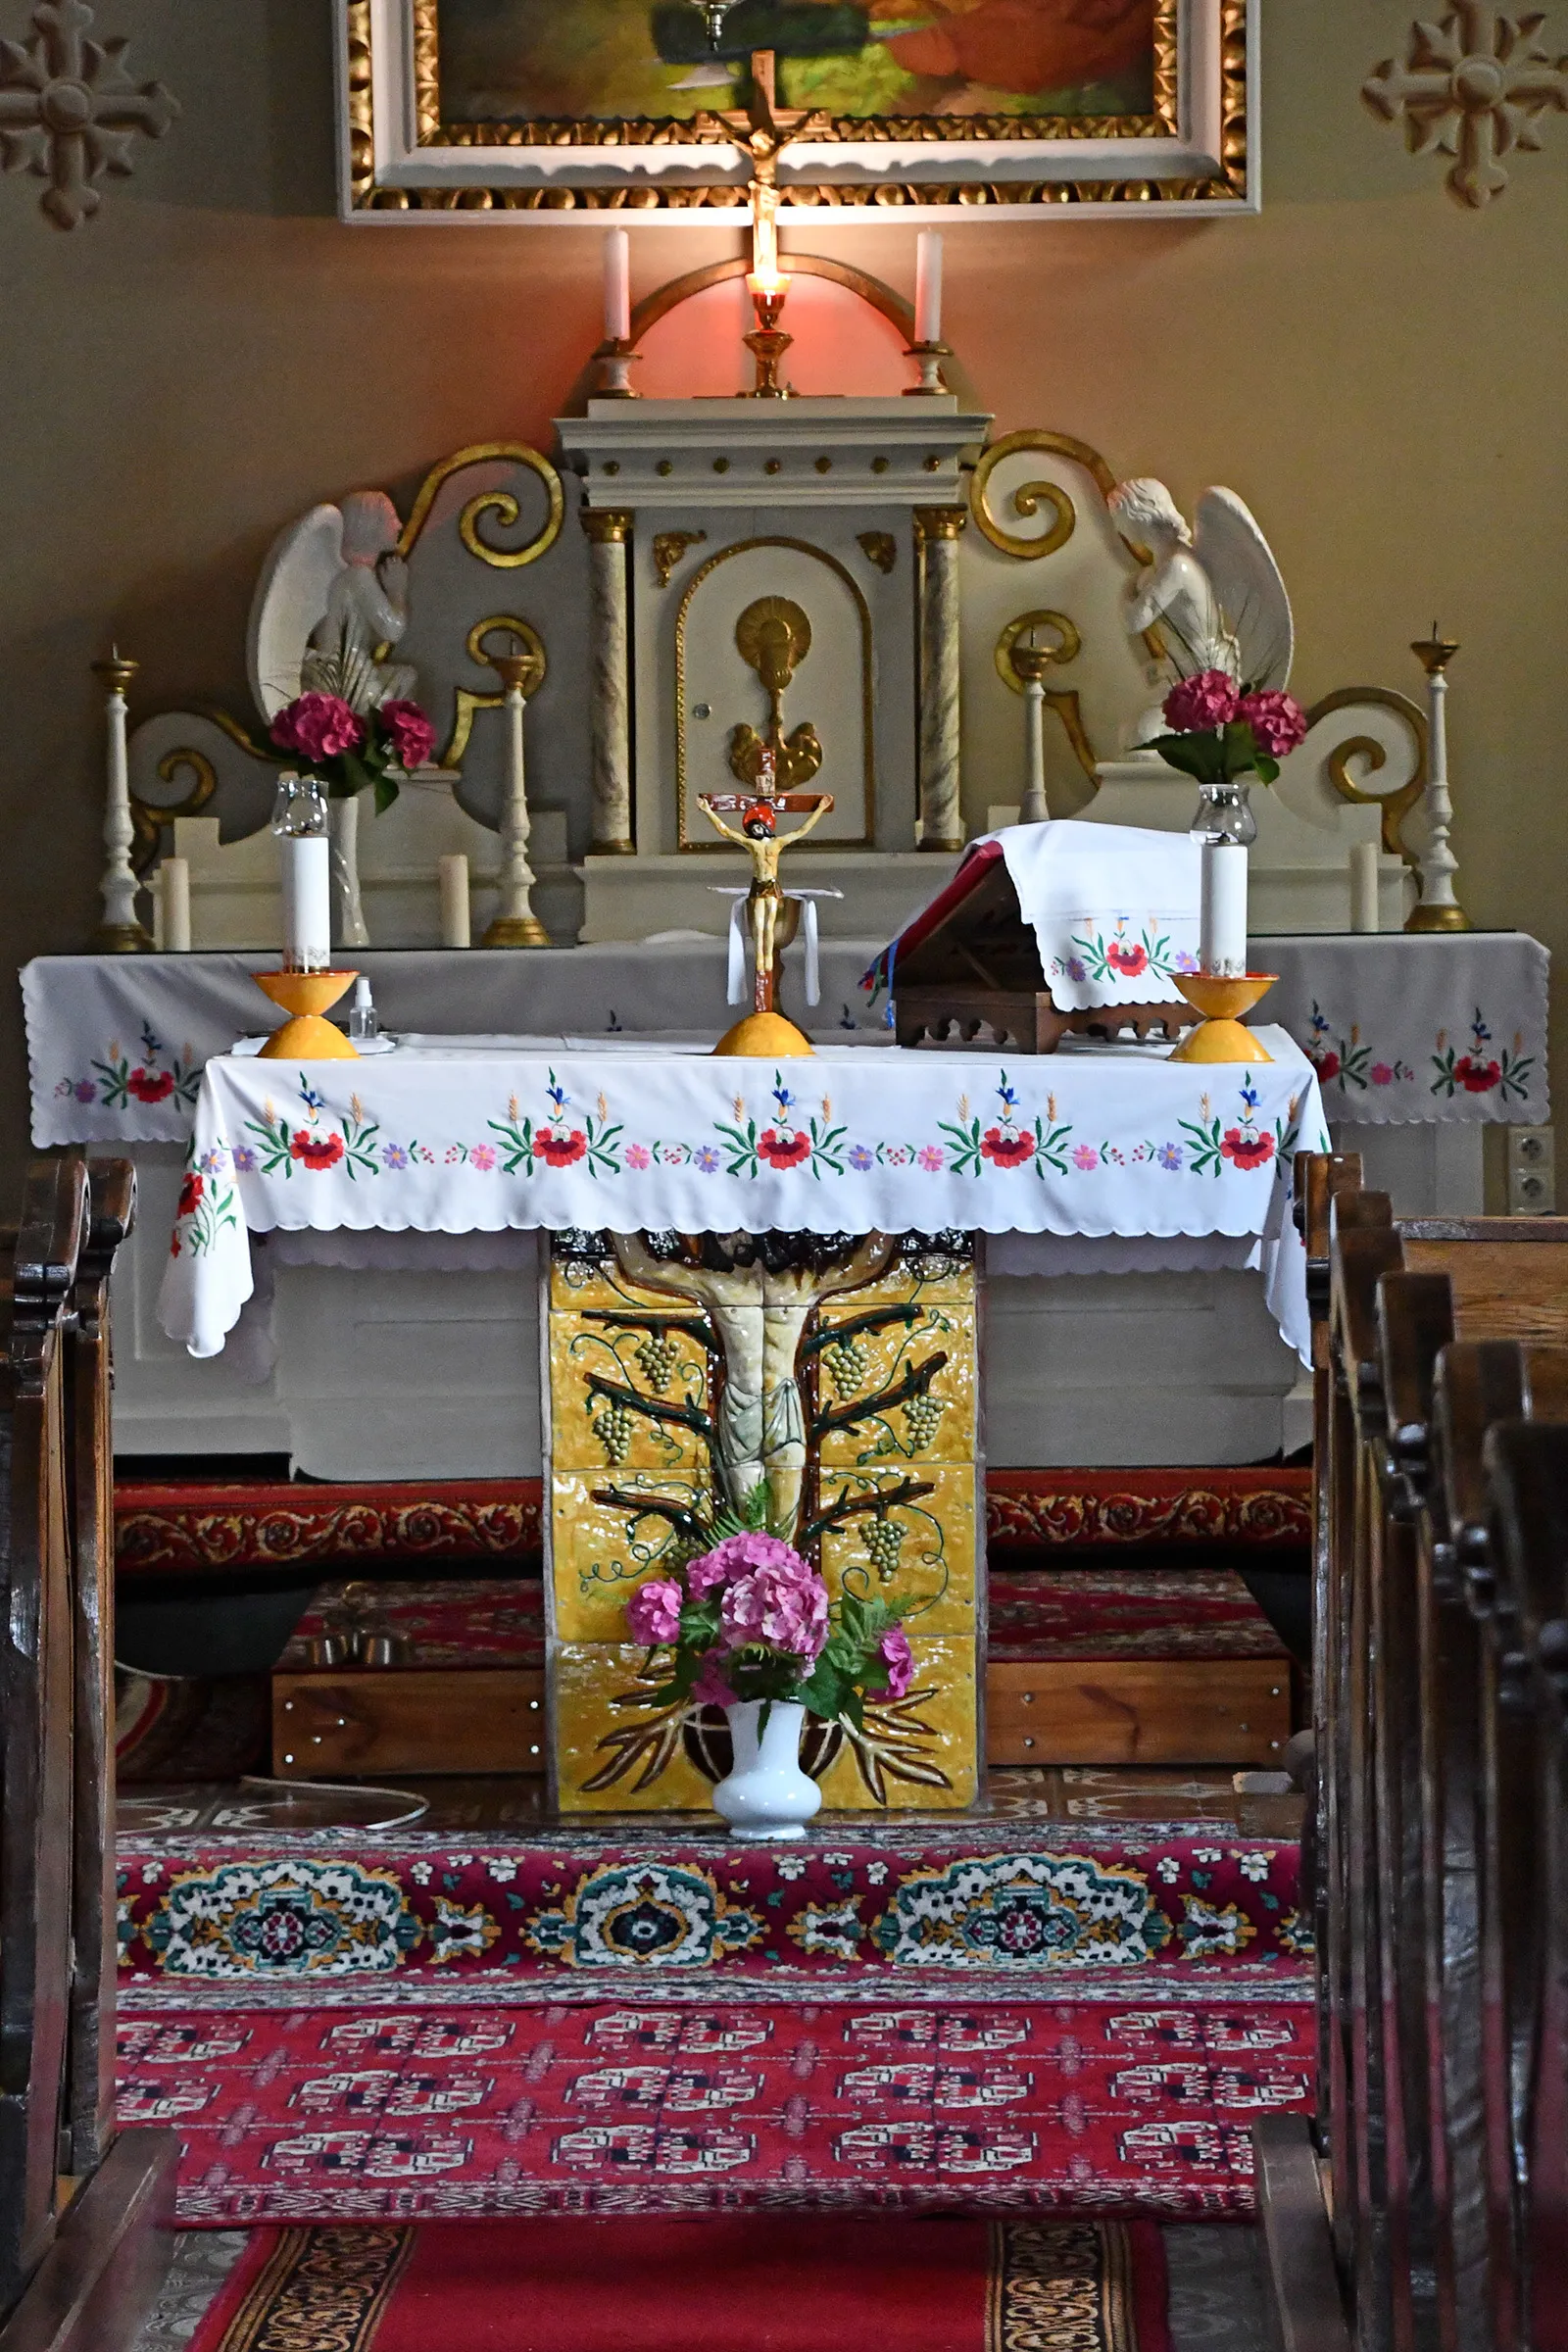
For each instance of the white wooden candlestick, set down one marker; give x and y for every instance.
(1438, 908)
(1030, 663)
(120, 933)
(516, 924)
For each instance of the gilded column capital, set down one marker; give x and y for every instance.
(940, 523)
(608, 526)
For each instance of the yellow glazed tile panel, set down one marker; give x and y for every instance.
(613, 1754)
(921, 1550)
(601, 1735)
(925, 1276)
(935, 1424)
(576, 1284)
(919, 1752)
(601, 1551)
(596, 1369)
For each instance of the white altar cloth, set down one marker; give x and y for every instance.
(1387, 1018)
(482, 1136)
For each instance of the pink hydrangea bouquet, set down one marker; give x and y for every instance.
(751, 1619)
(348, 750)
(1220, 730)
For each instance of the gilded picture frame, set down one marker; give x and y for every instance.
(418, 134)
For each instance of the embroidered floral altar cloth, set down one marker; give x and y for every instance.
(1403, 1029)
(455, 1138)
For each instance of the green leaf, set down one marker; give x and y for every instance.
(1201, 756)
(386, 792)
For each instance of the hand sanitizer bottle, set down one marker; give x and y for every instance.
(364, 1019)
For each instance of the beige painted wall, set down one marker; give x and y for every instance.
(1378, 372)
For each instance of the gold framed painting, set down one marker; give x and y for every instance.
(496, 108)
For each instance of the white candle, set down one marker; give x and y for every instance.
(456, 930)
(173, 897)
(306, 877)
(1222, 917)
(928, 286)
(1364, 886)
(617, 286)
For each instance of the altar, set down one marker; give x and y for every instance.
(943, 628)
(758, 1278)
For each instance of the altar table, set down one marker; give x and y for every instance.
(377, 1355)
(459, 1135)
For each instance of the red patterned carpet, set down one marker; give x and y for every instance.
(633, 2105)
(915, 1911)
(164, 1528)
(753, 2284)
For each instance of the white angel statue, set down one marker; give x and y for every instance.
(332, 602)
(1210, 600)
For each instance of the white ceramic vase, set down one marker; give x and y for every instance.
(767, 1799)
(347, 907)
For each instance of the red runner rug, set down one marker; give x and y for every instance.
(164, 1528)
(1080, 2108)
(755, 2284)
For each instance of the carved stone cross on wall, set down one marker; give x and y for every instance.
(1472, 85)
(68, 109)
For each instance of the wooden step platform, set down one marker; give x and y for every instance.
(1122, 1666)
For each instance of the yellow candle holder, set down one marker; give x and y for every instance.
(307, 996)
(1221, 1035)
(766, 1036)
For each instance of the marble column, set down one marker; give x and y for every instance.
(938, 528)
(608, 529)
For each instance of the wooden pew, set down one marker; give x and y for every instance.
(1399, 1703)
(85, 2216)
(1526, 1476)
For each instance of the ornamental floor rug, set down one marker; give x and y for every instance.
(753, 2283)
(1072, 2108)
(893, 1906)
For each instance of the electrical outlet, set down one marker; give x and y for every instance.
(1532, 1172)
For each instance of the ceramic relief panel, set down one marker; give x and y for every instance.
(839, 1369)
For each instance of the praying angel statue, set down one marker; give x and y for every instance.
(1209, 600)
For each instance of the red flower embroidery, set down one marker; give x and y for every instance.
(1129, 962)
(151, 1086)
(783, 1150)
(1248, 1150)
(173, 1246)
(557, 1149)
(1327, 1065)
(1477, 1077)
(190, 1193)
(317, 1150)
(1007, 1150)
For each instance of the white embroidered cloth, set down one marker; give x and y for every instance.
(1114, 908)
(117, 1043)
(1406, 1028)
(446, 1139)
